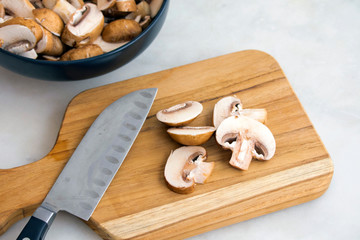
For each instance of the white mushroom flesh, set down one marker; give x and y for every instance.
(18, 8)
(247, 138)
(77, 24)
(185, 167)
(17, 38)
(180, 114)
(225, 107)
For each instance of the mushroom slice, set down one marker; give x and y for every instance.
(143, 9)
(82, 52)
(76, 3)
(17, 38)
(49, 3)
(64, 9)
(18, 8)
(105, 4)
(155, 6)
(232, 106)
(180, 114)
(49, 45)
(246, 138)
(185, 167)
(49, 20)
(29, 23)
(84, 26)
(2, 11)
(29, 54)
(106, 46)
(224, 108)
(191, 135)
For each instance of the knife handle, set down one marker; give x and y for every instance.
(38, 225)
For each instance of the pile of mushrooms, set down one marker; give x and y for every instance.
(243, 131)
(71, 29)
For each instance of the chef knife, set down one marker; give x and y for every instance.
(94, 163)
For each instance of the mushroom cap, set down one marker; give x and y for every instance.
(121, 30)
(180, 114)
(84, 26)
(17, 38)
(224, 108)
(191, 135)
(263, 138)
(82, 52)
(49, 20)
(185, 167)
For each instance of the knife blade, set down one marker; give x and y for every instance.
(94, 163)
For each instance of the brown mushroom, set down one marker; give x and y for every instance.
(106, 46)
(247, 139)
(155, 6)
(126, 5)
(180, 114)
(142, 9)
(84, 26)
(82, 52)
(49, 20)
(232, 106)
(18, 8)
(50, 44)
(185, 167)
(2, 11)
(29, 23)
(105, 4)
(191, 135)
(17, 39)
(121, 30)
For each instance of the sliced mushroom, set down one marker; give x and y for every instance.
(155, 6)
(76, 3)
(126, 5)
(232, 106)
(29, 54)
(29, 23)
(185, 167)
(64, 9)
(82, 52)
(191, 135)
(17, 38)
(49, 20)
(18, 8)
(121, 30)
(49, 3)
(106, 46)
(49, 45)
(224, 108)
(2, 11)
(37, 3)
(247, 139)
(180, 114)
(84, 26)
(142, 9)
(105, 4)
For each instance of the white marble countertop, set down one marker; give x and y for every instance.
(315, 42)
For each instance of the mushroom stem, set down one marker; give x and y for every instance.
(242, 153)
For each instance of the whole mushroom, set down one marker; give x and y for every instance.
(185, 167)
(247, 139)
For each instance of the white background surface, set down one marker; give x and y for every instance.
(317, 43)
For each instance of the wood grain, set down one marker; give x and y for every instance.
(138, 205)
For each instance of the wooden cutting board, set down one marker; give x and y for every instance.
(138, 204)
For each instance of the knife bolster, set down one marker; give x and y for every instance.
(45, 215)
